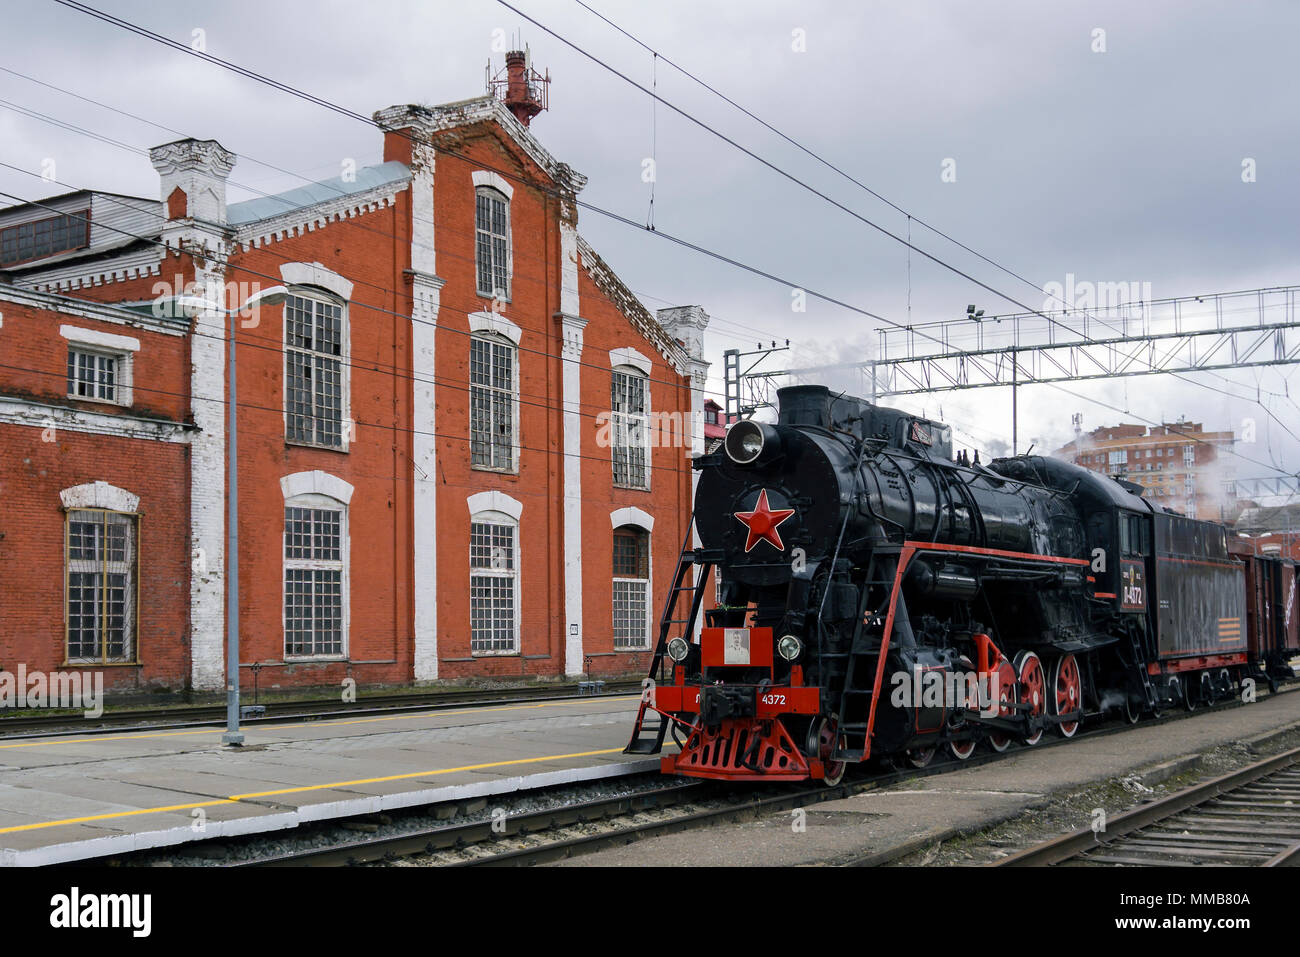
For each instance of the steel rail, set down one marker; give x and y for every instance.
(204, 716)
(429, 840)
(1076, 845)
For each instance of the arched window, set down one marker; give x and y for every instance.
(493, 578)
(101, 568)
(316, 565)
(492, 241)
(316, 349)
(631, 588)
(630, 405)
(493, 401)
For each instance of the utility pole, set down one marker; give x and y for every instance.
(732, 376)
(1014, 449)
(273, 296)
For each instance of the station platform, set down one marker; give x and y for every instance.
(70, 798)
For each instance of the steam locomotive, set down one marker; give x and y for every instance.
(876, 596)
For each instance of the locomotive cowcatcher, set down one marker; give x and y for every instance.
(875, 596)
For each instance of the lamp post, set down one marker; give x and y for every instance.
(265, 297)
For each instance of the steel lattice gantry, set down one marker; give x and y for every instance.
(1192, 334)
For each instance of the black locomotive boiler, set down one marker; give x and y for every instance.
(876, 596)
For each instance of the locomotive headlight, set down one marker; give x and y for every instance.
(748, 440)
(678, 649)
(789, 647)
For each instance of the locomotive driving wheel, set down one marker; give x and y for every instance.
(961, 750)
(1132, 709)
(823, 739)
(1033, 689)
(1226, 686)
(1068, 693)
(920, 757)
(999, 741)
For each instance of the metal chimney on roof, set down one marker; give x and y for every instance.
(522, 89)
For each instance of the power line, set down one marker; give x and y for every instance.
(333, 107)
(722, 320)
(396, 429)
(278, 280)
(409, 318)
(344, 111)
(653, 94)
(804, 149)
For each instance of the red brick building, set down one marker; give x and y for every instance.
(1177, 464)
(463, 444)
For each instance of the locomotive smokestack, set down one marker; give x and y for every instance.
(804, 405)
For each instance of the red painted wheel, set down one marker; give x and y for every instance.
(961, 750)
(920, 757)
(999, 741)
(1068, 696)
(822, 741)
(1033, 689)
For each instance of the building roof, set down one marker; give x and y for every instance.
(1269, 518)
(366, 178)
(482, 109)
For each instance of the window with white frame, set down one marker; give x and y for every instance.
(631, 588)
(493, 585)
(315, 353)
(492, 397)
(95, 375)
(101, 587)
(630, 422)
(492, 242)
(315, 578)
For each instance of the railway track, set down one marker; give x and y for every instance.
(1249, 817)
(675, 805)
(647, 814)
(215, 716)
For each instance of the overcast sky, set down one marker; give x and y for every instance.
(1117, 166)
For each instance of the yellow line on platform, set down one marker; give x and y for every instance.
(236, 798)
(325, 722)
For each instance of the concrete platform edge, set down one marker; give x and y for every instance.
(85, 850)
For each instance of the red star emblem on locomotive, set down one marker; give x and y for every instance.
(762, 523)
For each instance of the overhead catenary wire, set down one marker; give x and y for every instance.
(283, 87)
(825, 162)
(719, 320)
(405, 317)
(73, 128)
(279, 411)
(127, 25)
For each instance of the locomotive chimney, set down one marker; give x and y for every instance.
(804, 405)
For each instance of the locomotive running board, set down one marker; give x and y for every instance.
(649, 738)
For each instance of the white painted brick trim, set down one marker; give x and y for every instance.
(494, 180)
(316, 483)
(632, 516)
(628, 356)
(314, 274)
(93, 337)
(495, 322)
(100, 495)
(495, 501)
